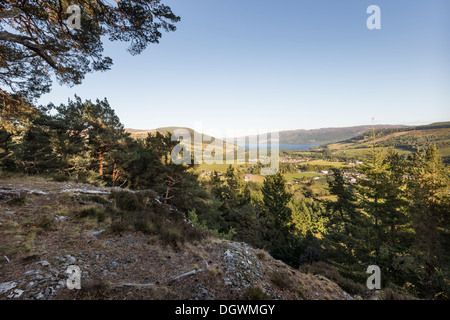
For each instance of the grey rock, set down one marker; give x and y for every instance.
(70, 259)
(39, 192)
(346, 295)
(85, 191)
(32, 272)
(98, 255)
(43, 263)
(6, 286)
(30, 285)
(243, 267)
(39, 296)
(97, 233)
(15, 294)
(114, 265)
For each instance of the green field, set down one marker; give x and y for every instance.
(218, 167)
(300, 175)
(361, 152)
(327, 163)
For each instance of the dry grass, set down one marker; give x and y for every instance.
(324, 270)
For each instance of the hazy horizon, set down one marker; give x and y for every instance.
(298, 129)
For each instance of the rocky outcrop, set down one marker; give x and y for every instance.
(129, 265)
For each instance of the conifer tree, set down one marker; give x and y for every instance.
(347, 224)
(428, 185)
(276, 199)
(279, 231)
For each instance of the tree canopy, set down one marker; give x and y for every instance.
(36, 42)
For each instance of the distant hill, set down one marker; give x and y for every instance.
(328, 135)
(353, 140)
(142, 134)
(301, 136)
(404, 140)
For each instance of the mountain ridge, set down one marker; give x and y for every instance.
(298, 136)
(321, 136)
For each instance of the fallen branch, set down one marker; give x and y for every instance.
(192, 272)
(7, 156)
(189, 273)
(130, 284)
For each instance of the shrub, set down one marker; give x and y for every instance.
(93, 212)
(301, 293)
(128, 201)
(119, 227)
(94, 198)
(121, 220)
(146, 222)
(280, 279)
(333, 274)
(172, 235)
(390, 294)
(96, 289)
(46, 223)
(19, 200)
(256, 293)
(201, 225)
(310, 255)
(135, 211)
(60, 177)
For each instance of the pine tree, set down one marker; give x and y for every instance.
(371, 195)
(37, 44)
(36, 154)
(103, 131)
(347, 224)
(279, 231)
(428, 185)
(276, 199)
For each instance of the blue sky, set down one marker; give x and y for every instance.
(281, 65)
